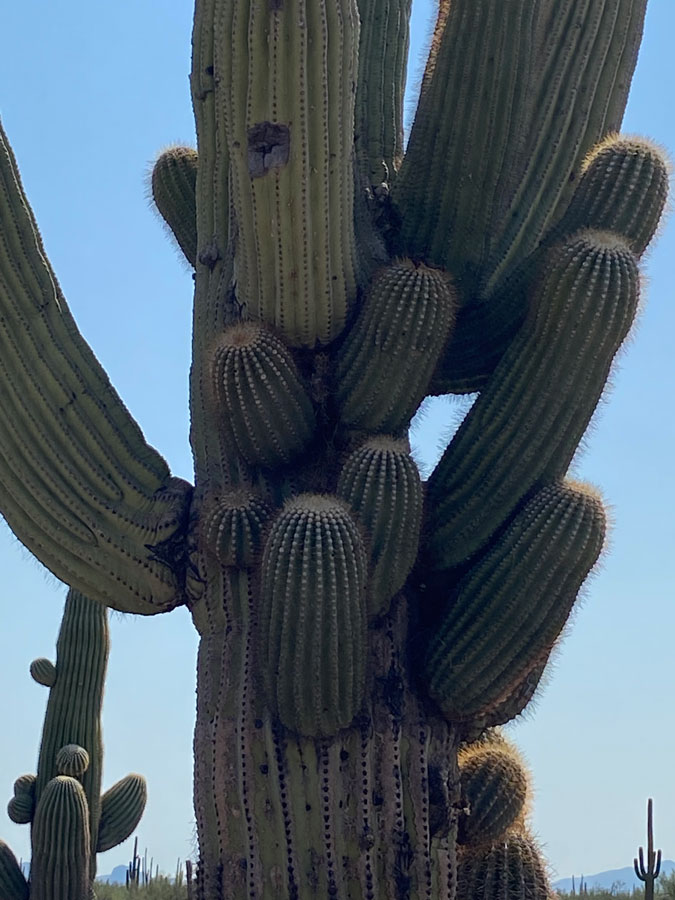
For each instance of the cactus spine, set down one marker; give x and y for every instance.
(356, 626)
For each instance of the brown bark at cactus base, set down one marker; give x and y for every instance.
(281, 816)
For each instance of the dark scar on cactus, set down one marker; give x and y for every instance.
(268, 147)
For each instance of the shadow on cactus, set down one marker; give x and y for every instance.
(70, 820)
(356, 625)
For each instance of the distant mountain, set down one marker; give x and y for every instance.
(117, 876)
(626, 878)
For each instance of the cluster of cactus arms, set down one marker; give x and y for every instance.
(357, 625)
(71, 821)
(497, 856)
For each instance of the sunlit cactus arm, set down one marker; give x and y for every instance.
(383, 60)
(13, 884)
(494, 783)
(472, 199)
(507, 612)
(78, 484)
(173, 186)
(526, 425)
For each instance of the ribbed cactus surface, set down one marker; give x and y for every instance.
(357, 625)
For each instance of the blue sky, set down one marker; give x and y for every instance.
(88, 94)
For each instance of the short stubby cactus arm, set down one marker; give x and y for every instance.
(478, 192)
(78, 483)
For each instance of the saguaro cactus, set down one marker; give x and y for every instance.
(70, 820)
(356, 625)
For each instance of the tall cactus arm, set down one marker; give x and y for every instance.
(79, 485)
(383, 57)
(481, 182)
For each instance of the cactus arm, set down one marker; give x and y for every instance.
(78, 483)
(122, 806)
(61, 843)
(173, 186)
(526, 425)
(383, 57)
(13, 885)
(467, 203)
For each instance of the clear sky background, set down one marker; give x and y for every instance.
(89, 92)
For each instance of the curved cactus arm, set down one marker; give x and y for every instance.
(474, 198)
(122, 806)
(13, 885)
(173, 187)
(79, 485)
(383, 57)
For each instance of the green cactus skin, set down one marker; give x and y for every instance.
(13, 885)
(173, 186)
(73, 714)
(260, 396)
(383, 62)
(61, 827)
(382, 485)
(494, 785)
(512, 867)
(540, 397)
(77, 480)
(21, 807)
(72, 760)
(462, 208)
(385, 363)
(122, 807)
(294, 264)
(623, 188)
(509, 609)
(42, 671)
(299, 236)
(233, 526)
(314, 615)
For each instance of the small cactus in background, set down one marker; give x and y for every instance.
(357, 626)
(649, 873)
(70, 820)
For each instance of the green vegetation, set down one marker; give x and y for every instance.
(358, 628)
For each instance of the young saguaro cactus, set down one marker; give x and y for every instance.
(70, 820)
(356, 625)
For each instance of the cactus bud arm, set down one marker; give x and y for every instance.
(61, 843)
(78, 483)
